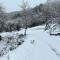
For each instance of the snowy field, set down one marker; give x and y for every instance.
(38, 45)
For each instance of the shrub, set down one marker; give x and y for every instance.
(21, 35)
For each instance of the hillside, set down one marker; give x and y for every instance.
(38, 45)
(39, 15)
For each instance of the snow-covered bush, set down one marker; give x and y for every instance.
(54, 29)
(10, 43)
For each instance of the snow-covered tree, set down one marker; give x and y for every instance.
(25, 8)
(2, 18)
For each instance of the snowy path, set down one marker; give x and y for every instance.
(40, 50)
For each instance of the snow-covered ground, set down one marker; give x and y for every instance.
(38, 45)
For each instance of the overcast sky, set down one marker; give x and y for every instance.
(13, 5)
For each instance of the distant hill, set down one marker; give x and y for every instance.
(37, 12)
(35, 16)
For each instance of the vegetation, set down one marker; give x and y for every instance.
(29, 17)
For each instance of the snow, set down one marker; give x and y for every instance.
(45, 47)
(54, 28)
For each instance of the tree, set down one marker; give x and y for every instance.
(2, 19)
(49, 13)
(46, 15)
(25, 7)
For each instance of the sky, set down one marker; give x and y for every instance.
(14, 5)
